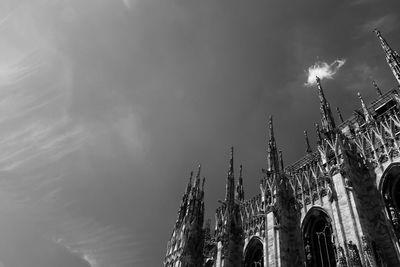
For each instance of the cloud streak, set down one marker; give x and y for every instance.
(323, 70)
(388, 23)
(98, 245)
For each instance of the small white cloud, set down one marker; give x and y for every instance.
(323, 70)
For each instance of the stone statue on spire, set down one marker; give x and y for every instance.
(327, 121)
(392, 57)
(367, 115)
(378, 90)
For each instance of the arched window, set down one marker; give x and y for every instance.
(390, 188)
(318, 239)
(254, 254)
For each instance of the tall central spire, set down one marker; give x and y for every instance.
(392, 57)
(328, 123)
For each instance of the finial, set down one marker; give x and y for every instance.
(328, 123)
(367, 116)
(271, 129)
(392, 57)
(240, 171)
(378, 90)
(340, 114)
(198, 171)
(378, 33)
(360, 97)
(308, 148)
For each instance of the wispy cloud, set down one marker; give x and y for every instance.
(100, 246)
(323, 70)
(7, 16)
(39, 144)
(129, 3)
(20, 68)
(387, 23)
(37, 133)
(35, 128)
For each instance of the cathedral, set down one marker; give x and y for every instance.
(339, 205)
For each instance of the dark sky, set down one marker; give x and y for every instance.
(106, 107)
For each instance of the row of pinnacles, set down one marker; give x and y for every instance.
(337, 206)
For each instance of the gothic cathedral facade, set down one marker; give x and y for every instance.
(337, 206)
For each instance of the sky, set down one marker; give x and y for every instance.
(107, 106)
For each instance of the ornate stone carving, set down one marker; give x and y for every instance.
(307, 249)
(354, 256)
(348, 183)
(341, 259)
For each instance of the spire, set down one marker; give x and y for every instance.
(321, 94)
(198, 175)
(378, 90)
(239, 187)
(230, 181)
(187, 227)
(367, 115)
(273, 161)
(281, 160)
(271, 130)
(196, 185)
(328, 123)
(184, 202)
(339, 114)
(308, 148)
(392, 58)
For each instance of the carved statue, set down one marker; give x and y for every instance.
(354, 256)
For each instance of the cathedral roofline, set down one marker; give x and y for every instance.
(372, 107)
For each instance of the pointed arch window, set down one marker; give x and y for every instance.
(391, 194)
(254, 253)
(318, 240)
